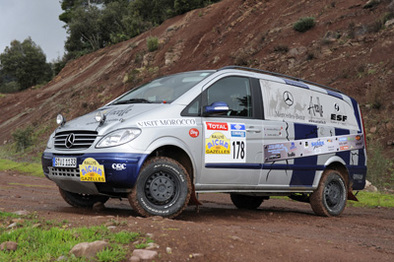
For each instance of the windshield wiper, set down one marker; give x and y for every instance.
(133, 101)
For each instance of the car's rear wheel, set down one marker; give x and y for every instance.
(163, 188)
(81, 200)
(246, 201)
(330, 197)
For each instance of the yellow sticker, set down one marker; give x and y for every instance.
(91, 171)
(217, 143)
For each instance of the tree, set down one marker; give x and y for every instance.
(93, 24)
(25, 63)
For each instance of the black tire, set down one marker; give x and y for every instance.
(81, 200)
(163, 188)
(246, 202)
(330, 197)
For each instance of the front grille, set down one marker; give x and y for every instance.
(74, 140)
(57, 171)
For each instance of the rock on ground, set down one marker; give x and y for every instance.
(88, 250)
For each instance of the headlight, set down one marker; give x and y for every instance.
(118, 137)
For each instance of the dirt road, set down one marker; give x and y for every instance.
(280, 230)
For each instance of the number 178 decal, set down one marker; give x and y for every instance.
(225, 142)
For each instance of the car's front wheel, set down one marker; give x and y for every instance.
(81, 200)
(163, 188)
(330, 197)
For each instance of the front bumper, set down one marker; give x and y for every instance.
(121, 171)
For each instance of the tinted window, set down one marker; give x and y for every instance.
(235, 92)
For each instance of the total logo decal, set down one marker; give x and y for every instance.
(310, 147)
(225, 142)
(217, 126)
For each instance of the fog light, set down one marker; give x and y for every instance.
(60, 120)
(100, 117)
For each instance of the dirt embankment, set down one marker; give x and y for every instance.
(349, 49)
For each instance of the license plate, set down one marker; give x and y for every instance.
(65, 162)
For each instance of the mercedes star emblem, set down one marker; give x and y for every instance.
(288, 98)
(70, 140)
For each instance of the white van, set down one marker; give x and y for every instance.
(246, 132)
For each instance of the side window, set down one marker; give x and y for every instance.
(235, 92)
(194, 108)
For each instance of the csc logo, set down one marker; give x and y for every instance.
(118, 166)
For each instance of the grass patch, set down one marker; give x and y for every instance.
(47, 241)
(34, 169)
(365, 199)
(369, 199)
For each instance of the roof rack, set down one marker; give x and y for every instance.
(280, 75)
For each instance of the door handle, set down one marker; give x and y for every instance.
(253, 129)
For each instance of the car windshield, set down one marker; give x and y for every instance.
(163, 90)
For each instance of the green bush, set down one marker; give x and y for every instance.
(23, 138)
(10, 87)
(304, 24)
(152, 43)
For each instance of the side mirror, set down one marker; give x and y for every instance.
(216, 108)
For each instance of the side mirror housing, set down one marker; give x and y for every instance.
(216, 108)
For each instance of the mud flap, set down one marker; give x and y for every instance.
(351, 196)
(194, 200)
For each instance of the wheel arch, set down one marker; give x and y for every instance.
(177, 154)
(337, 163)
(177, 150)
(173, 148)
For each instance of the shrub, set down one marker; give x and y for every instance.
(10, 87)
(380, 168)
(304, 24)
(152, 43)
(23, 138)
(281, 48)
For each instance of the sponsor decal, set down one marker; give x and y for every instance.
(292, 116)
(315, 107)
(276, 148)
(217, 126)
(119, 166)
(217, 143)
(168, 122)
(120, 112)
(194, 132)
(273, 131)
(312, 147)
(339, 118)
(91, 171)
(237, 127)
(238, 130)
(237, 134)
(317, 144)
(225, 142)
